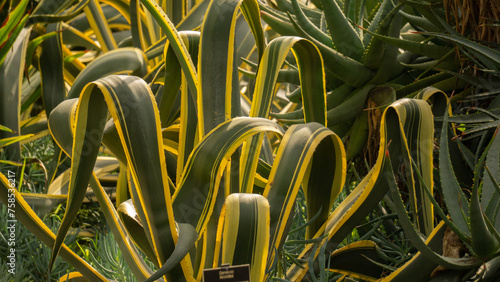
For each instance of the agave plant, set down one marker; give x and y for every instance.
(205, 176)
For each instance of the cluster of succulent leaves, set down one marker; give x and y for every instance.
(220, 124)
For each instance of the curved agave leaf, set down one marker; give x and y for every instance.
(11, 28)
(219, 95)
(51, 69)
(192, 21)
(244, 232)
(175, 41)
(358, 260)
(311, 74)
(456, 202)
(132, 222)
(173, 75)
(11, 75)
(121, 60)
(103, 166)
(169, 96)
(195, 196)
(312, 90)
(308, 154)
(401, 118)
(100, 26)
(187, 239)
(24, 214)
(124, 94)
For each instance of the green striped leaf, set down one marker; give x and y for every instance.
(11, 75)
(173, 75)
(243, 233)
(357, 260)
(150, 177)
(307, 156)
(399, 121)
(132, 223)
(197, 191)
(130, 60)
(180, 50)
(100, 26)
(218, 95)
(10, 29)
(74, 37)
(187, 238)
(313, 93)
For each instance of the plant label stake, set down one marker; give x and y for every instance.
(226, 273)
